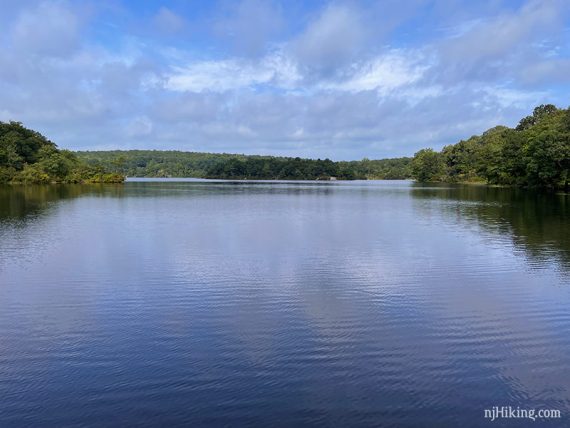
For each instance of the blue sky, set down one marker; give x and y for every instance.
(337, 79)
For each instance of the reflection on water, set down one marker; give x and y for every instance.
(21, 202)
(537, 222)
(281, 304)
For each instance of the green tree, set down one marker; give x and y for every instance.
(27, 156)
(427, 165)
(548, 156)
(539, 113)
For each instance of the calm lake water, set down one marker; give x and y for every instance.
(282, 304)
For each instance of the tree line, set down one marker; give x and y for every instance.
(26, 156)
(536, 153)
(156, 163)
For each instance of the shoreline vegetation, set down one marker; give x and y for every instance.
(27, 157)
(167, 164)
(536, 153)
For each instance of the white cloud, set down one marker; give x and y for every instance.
(332, 40)
(231, 74)
(167, 21)
(50, 29)
(508, 97)
(499, 45)
(383, 74)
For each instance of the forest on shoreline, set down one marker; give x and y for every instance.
(156, 163)
(28, 157)
(536, 153)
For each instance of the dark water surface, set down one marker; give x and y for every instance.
(282, 304)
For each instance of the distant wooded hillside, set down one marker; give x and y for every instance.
(154, 163)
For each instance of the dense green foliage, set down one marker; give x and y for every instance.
(152, 163)
(253, 167)
(427, 165)
(26, 156)
(534, 154)
(380, 169)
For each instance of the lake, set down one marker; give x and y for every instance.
(212, 303)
